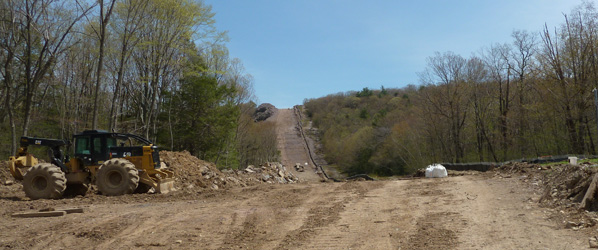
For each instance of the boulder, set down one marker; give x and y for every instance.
(264, 111)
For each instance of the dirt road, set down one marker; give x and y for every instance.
(464, 212)
(292, 147)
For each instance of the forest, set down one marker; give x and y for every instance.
(156, 68)
(529, 97)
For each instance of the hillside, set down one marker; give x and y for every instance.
(396, 131)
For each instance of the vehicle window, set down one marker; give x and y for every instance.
(82, 146)
(110, 142)
(97, 145)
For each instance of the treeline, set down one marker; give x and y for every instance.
(157, 68)
(527, 98)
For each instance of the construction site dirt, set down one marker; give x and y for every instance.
(479, 211)
(273, 207)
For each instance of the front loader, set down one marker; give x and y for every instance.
(99, 158)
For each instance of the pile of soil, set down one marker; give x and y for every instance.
(562, 188)
(9, 187)
(192, 173)
(561, 184)
(4, 173)
(567, 184)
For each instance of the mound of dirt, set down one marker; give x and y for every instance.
(9, 187)
(562, 184)
(567, 183)
(562, 188)
(6, 178)
(521, 168)
(4, 173)
(192, 173)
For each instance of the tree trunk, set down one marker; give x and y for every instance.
(591, 143)
(102, 36)
(11, 118)
(119, 80)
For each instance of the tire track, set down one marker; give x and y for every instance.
(324, 215)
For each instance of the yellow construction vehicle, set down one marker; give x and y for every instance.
(99, 158)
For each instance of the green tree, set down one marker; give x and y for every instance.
(165, 40)
(127, 22)
(365, 92)
(205, 118)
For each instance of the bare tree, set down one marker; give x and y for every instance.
(9, 44)
(129, 18)
(476, 77)
(524, 49)
(568, 67)
(46, 37)
(104, 19)
(450, 99)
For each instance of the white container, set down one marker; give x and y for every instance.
(573, 160)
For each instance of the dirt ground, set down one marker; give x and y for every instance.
(479, 211)
(275, 207)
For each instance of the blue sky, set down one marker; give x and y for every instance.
(311, 48)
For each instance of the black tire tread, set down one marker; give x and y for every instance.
(55, 178)
(132, 177)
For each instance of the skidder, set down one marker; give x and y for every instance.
(99, 158)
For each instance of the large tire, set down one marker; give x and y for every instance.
(44, 181)
(117, 177)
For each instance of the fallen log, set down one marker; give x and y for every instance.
(39, 214)
(589, 199)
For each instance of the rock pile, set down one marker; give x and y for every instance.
(264, 111)
(568, 184)
(271, 172)
(563, 184)
(565, 189)
(193, 173)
